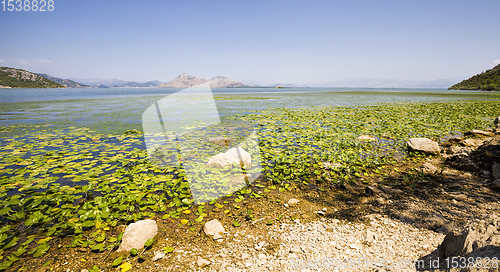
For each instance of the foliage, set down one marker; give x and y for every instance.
(18, 78)
(486, 81)
(80, 183)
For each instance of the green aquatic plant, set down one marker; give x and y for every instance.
(82, 183)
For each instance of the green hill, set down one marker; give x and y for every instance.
(486, 81)
(18, 78)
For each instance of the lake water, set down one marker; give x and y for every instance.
(118, 109)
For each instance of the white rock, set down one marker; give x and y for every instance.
(233, 155)
(244, 255)
(262, 256)
(136, 234)
(428, 168)
(158, 255)
(366, 138)
(423, 145)
(202, 262)
(293, 201)
(214, 228)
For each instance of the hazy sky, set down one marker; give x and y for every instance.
(318, 43)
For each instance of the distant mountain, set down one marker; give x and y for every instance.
(68, 83)
(18, 78)
(149, 84)
(94, 82)
(486, 81)
(290, 85)
(186, 81)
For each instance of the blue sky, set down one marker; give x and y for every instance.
(318, 43)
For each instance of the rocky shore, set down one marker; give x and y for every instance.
(419, 215)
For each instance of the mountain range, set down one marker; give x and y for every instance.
(186, 81)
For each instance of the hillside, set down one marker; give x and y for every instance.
(18, 78)
(486, 81)
(68, 83)
(186, 81)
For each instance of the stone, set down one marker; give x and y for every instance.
(390, 190)
(293, 201)
(136, 234)
(244, 256)
(366, 138)
(222, 141)
(372, 190)
(356, 245)
(321, 212)
(435, 221)
(202, 262)
(158, 256)
(497, 124)
(214, 228)
(368, 235)
(481, 133)
(233, 155)
(462, 161)
(332, 166)
(471, 238)
(472, 142)
(495, 170)
(452, 149)
(496, 185)
(423, 145)
(428, 168)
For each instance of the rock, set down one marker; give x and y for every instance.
(496, 185)
(495, 170)
(233, 155)
(472, 142)
(428, 168)
(296, 250)
(136, 234)
(202, 262)
(497, 124)
(472, 237)
(368, 235)
(462, 161)
(390, 190)
(423, 145)
(435, 221)
(222, 141)
(158, 255)
(244, 256)
(481, 133)
(367, 138)
(356, 245)
(214, 228)
(321, 212)
(452, 149)
(372, 190)
(293, 201)
(332, 166)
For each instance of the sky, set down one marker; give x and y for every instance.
(316, 43)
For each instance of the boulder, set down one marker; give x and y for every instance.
(472, 237)
(423, 145)
(367, 138)
(214, 228)
(481, 133)
(136, 234)
(233, 155)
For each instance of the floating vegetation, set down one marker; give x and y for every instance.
(242, 97)
(81, 183)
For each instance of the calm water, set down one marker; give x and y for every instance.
(117, 109)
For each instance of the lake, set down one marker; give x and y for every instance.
(117, 109)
